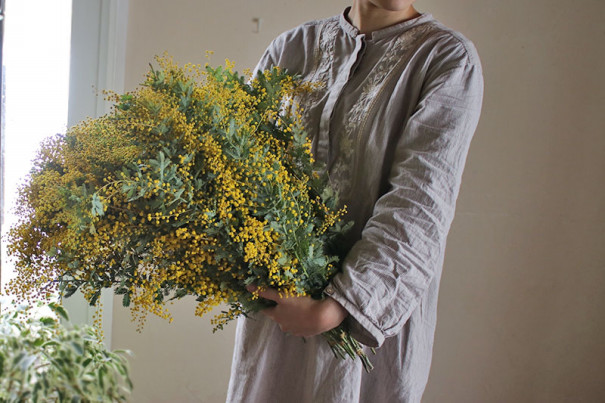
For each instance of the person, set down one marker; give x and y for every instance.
(399, 102)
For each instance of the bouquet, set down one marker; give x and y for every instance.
(200, 182)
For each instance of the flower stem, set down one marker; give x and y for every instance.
(343, 344)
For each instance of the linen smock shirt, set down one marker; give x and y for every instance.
(392, 120)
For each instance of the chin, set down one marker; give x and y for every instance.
(393, 5)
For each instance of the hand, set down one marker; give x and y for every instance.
(302, 316)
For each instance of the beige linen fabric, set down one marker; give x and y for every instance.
(393, 121)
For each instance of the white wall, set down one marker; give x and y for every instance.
(520, 315)
(524, 277)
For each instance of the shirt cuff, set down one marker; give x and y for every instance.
(360, 326)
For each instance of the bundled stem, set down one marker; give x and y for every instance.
(343, 344)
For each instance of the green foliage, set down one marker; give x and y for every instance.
(198, 183)
(43, 360)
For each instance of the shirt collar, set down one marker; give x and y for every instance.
(392, 30)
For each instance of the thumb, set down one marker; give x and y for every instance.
(267, 293)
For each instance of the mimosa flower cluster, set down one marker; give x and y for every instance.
(198, 183)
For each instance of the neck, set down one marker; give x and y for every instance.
(368, 18)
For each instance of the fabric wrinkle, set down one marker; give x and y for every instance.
(393, 122)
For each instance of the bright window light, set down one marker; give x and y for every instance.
(36, 73)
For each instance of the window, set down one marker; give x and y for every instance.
(35, 71)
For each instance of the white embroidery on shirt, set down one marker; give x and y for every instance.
(356, 117)
(324, 58)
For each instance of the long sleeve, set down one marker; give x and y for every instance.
(392, 118)
(387, 271)
(266, 61)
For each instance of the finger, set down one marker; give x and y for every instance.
(270, 294)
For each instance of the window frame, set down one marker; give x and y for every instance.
(97, 62)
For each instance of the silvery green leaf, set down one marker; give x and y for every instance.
(97, 206)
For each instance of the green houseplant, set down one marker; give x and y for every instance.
(45, 360)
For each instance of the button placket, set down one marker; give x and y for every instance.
(342, 78)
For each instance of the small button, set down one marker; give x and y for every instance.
(329, 290)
